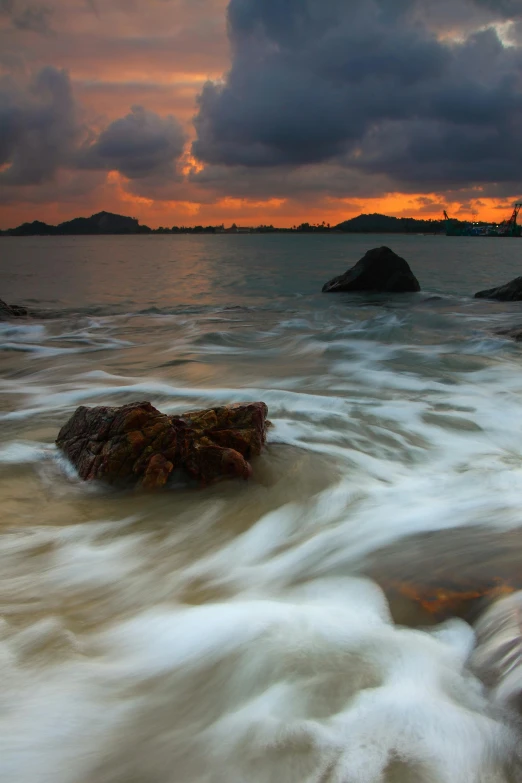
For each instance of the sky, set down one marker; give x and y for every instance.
(202, 112)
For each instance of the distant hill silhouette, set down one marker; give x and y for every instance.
(376, 224)
(36, 228)
(101, 223)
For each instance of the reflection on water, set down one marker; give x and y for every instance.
(236, 633)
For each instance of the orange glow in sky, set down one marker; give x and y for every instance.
(277, 212)
(116, 55)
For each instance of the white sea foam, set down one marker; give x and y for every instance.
(22, 332)
(39, 342)
(315, 684)
(17, 453)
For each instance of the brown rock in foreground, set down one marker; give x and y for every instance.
(137, 444)
(11, 311)
(458, 572)
(453, 599)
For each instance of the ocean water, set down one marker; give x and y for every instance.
(231, 634)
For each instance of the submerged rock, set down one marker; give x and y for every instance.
(431, 577)
(450, 598)
(138, 444)
(514, 332)
(11, 311)
(510, 292)
(379, 270)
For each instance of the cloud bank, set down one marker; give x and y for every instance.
(27, 16)
(41, 132)
(312, 103)
(370, 84)
(39, 127)
(138, 145)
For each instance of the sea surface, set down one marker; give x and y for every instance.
(230, 635)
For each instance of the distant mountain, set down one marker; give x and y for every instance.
(101, 223)
(36, 228)
(377, 224)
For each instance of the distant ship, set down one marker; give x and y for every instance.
(508, 228)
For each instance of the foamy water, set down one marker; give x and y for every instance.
(226, 635)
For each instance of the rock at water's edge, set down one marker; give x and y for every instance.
(510, 292)
(379, 270)
(137, 444)
(11, 311)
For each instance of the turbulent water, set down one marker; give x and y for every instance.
(226, 635)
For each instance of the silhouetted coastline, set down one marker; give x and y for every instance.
(105, 223)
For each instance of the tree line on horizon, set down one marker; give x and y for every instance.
(109, 223)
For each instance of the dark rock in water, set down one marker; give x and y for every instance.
(11, 311)
(379, 270)
(510, 292)
(136, 444)
(514, 332)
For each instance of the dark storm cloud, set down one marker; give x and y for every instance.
(138, 145)
(27, 16)
(367, 83)
(38, 127)
(40, 133)
(509, 9)
(35, 18)
(308, 182)
(68, 187)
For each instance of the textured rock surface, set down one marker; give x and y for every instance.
(379, 270)
(510, 292)
(138, 444)
(11, 311)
